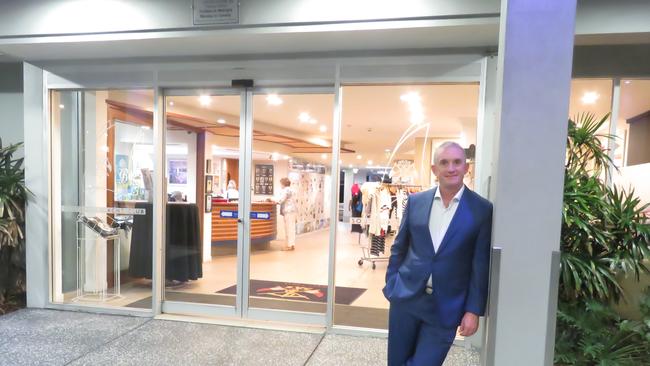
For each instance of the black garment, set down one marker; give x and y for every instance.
(378, 244)
(356, 206)
(184, 252)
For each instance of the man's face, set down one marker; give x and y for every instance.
(450, 168)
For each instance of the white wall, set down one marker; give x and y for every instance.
(11, 104)
(37, 210)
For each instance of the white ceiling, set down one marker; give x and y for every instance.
(252, 42)
(373, 117)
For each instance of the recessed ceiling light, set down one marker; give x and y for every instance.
(275, 156)
(61, 106)
(627, 81)
(359, 157)
(387, 150)
(304, 117)
(590, 97)
(369, 162)
(221, 120)
(273, 99)
(171, 103)
(411, 97)
(322, 128)
(286, 157)
(205, 100)
(323, 156)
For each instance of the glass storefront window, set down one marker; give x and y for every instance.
(388, 136)
(103, 159)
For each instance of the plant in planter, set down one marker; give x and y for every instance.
(13, 195)
(604, 233)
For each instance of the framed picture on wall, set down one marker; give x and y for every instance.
(208, 204)
(208, 184)
(208, 166)
(263, 183)
(177, 170)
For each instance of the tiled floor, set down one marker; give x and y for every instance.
(50, 337)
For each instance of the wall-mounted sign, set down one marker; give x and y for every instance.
(215, 12)
(263, 179)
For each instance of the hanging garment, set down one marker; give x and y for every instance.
(356, 206)
(378, 244)
(384, 208)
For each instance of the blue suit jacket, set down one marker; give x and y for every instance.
(460, 267)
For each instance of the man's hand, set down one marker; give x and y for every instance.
(468, 325)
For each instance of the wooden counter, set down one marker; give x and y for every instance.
(224, 229)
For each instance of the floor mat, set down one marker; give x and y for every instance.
(298, 291)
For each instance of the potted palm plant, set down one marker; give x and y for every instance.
(604, 234)
(13, 195)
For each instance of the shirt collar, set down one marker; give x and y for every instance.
(456, 198)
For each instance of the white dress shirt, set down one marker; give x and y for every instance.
(440, 218)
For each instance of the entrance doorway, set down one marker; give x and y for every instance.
(247, 219)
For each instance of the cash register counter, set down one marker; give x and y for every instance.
(224, 225)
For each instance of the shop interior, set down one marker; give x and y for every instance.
(388, 135)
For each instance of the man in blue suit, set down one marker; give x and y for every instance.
(437, 276)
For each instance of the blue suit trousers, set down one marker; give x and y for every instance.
(413, 340)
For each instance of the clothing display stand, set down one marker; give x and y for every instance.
(366, 255)
(90, 285)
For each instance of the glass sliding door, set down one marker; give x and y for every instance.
(99, 156)
(203, 163)
(290, 200)
(390, 132)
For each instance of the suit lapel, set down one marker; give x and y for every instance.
(427, 216)
(456, 223)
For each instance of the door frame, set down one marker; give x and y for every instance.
(242, 309)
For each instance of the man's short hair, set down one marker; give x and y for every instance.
(445, 145)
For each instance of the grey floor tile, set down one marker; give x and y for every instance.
(340, 350)
(361, 351)
(162, 342)
(50, 337)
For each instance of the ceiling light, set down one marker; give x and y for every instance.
(323, 156)
(411, 97)
(340, 161)
(286, 157)
(387, 150)
(627, 81)
(171, 103)
(273, 99)
(304, 117)
(369, 162)
(590, 97)
(105, 148)
(61, 106)
(275, 156)
(221, 120)
(359, 157)
(205, 100)
(322, 128)
(355, 170)
(350, 165)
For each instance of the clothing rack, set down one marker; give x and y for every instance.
(366, 255)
